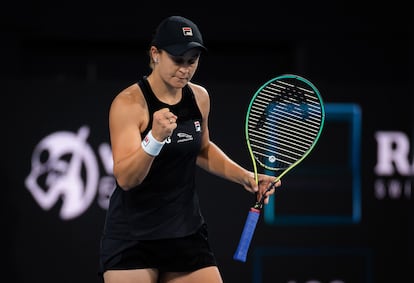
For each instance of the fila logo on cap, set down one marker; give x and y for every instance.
(187, 31)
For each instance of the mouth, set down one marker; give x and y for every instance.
(183, 80)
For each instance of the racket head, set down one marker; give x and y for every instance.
(284, 121)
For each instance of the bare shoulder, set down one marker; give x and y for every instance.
(201, 94)
(130, 105)
(129, 96)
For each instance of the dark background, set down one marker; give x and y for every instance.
(63, 62)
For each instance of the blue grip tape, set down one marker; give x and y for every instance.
(247, 235)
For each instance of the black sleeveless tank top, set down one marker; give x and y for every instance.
(165, 204)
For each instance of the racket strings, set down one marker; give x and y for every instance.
(283, 123)
(289, 125)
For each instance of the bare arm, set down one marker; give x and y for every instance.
(212, 159)
(215, 161)
(128, 117)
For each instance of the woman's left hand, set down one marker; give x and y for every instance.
(260, 188)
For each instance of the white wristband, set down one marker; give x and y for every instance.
(150, 145)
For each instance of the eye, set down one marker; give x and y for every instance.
(183, 60)
(178, 60)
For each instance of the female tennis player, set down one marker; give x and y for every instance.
(154, 230)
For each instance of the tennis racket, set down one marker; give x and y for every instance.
(284, 121)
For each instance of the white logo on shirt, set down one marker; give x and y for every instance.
(183, 137)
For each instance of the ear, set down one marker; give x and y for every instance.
(154, 53)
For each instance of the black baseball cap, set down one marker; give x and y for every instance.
(176, 35)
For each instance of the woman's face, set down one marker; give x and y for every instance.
(178, 70)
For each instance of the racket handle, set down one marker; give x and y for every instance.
(247, 235)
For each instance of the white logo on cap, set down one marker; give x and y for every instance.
(187, 31)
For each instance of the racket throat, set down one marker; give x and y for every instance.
(259, 205)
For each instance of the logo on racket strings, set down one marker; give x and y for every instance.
(272, 159)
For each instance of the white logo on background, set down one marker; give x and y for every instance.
(393, 154)
(395, 166)
(65, 168)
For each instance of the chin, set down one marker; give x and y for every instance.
(182, 82)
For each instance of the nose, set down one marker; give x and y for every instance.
(185, 68)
